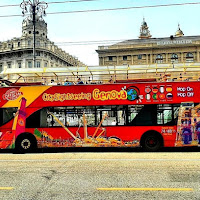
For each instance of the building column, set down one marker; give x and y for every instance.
(15, 64)
(117, 60)
(166, 57)
(197, 55)
(42, 63)
(151, 58)
(103, 61)
(182, 57)
(24, 65)
(49, 62)
(147, 59)
(132, 60)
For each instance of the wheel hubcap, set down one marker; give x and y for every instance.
(151, 142)
(25, 144)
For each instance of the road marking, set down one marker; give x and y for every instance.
(6, 188)
(146, 189)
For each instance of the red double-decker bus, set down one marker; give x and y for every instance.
(148, 114)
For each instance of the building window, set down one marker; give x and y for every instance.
(37, 53)
(110, 58)
(38, 64)
(30, 53)
(174, 58)
(18, 44)
(29, 64)
(139, 57)
(9, 65)
(19, 65)
(189, 57)
(38, 43)
(1, 67)
(45, 64)
(159, 58)
(29, 42)
(125, 57)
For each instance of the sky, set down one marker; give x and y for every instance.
(66, 30)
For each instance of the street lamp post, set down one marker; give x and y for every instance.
(34, 8)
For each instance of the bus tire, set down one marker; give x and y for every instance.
(151, 141)
(25, 143)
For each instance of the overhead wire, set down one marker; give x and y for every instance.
(126, 8)
(53, 2)
(112, 9)
(72, 1)
(78, 43)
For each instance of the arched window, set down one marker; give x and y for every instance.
(189, 57)
(174, 58)
(159, 58)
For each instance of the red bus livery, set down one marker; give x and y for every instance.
(149, 114)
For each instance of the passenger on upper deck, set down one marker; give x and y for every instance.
(3, 84)
(52, 82)
(79, 81)
(67, 82)
(111, 80)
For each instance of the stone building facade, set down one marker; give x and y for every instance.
(18, 52)
(148, 51)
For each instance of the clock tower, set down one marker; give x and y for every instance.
(144, 31)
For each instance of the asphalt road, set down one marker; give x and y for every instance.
(100, 175)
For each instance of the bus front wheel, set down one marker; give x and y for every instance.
(25, 143)
(151, 141)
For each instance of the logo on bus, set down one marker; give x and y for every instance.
(12, 94)
(132, 93)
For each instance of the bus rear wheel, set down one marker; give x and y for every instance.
(151, 141)
(25, 143)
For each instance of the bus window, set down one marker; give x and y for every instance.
(37, 119)
(74, 115)
(142, 115)
(121, 115)
(164, 113)
(167, 114)
(59, 113)
(6, 114)
(71, 116)
(68, 116)
(111, 112)
(90, 113)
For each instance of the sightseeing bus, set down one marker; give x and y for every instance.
(150, 115)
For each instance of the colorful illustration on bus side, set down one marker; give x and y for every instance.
(96, 139)
(188, 127)
(18, 127)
